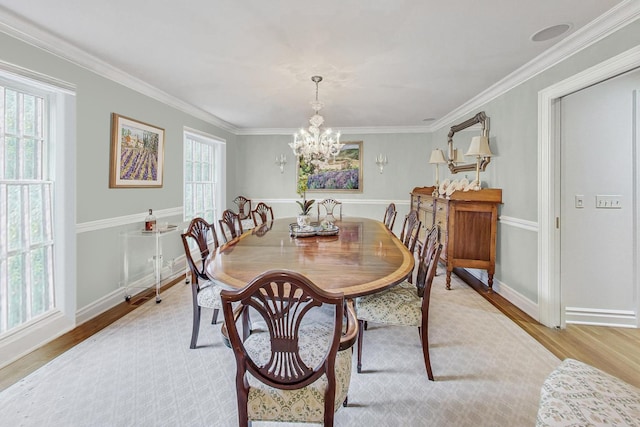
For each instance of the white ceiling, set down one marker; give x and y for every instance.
(248, 62)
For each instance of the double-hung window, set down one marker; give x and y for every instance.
(203, 172)
(34, 190)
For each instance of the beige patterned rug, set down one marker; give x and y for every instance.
(140, 372)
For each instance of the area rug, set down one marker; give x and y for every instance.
(140, 372)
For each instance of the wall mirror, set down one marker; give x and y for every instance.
(457, 147)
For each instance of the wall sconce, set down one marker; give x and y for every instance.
(281, 161)
(381, 161)
(437, 157)
(479, 148)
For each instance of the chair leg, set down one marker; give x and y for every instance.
(424, 337)
(214, 320)
(196, 326)
(360, 338)
(346, 401)
(366, 325)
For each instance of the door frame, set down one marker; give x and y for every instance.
(550, 312)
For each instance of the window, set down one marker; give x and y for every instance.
(37, 210)
(203, 171)
(26, 251)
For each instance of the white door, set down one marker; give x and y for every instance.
(598, 203)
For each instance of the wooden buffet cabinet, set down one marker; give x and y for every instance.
(468, 226)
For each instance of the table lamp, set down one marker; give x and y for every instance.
(479, 148)
(437, 157)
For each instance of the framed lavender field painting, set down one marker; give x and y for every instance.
(340, 175)
(137, 154)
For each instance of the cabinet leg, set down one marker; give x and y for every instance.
(448, 279)
(490, 281)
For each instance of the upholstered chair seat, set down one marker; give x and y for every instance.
(209, 295)
(302, 405)
(399, 306)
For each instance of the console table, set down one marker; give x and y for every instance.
(468, 223)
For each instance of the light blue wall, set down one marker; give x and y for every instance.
(99, 261)
(251, 169)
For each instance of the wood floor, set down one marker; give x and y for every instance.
(614, 350)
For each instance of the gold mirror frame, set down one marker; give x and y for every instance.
(480, 118)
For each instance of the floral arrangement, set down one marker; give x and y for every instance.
(305, 205)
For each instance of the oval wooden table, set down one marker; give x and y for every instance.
(363, 258)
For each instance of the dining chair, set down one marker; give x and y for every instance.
(410, 230)
(297, 366)
(329, 205)
(261, 214)
(390, 216)
(230, 225)
(406, 304)
(205, 292)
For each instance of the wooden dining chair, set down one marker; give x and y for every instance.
(406, 304)
(244, 207)
(329, 206)
(410, 230)
(230, 225)
(390, 216)
(297, 368)
(261, 214)
(205, 292)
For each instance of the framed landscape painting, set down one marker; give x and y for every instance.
(137, 153)
(342, 174)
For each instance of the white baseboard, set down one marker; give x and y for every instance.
(599, 317)
(508, 293)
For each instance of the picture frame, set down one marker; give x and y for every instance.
(342, 174)
(137, 154)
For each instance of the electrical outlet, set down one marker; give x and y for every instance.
(609, 201)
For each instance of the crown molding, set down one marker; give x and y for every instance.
(606, 24)
(343, 131)
(31, 34)
(611, 21)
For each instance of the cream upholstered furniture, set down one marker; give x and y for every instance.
(329, 206)
(296, 368)
(206, 293)
(405, 304)
(577, 394)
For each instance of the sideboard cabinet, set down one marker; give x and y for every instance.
(468, 222)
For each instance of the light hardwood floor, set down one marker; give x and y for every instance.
(614, 350)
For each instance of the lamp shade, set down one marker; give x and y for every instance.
(479, 147)
(437, 156)
(458, 157)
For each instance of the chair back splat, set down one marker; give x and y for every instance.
(244, 207)
(261, 214)
(230, 225)
(296, 350)
(390, 216)
(329, 206)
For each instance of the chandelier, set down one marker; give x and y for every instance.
(316, 144)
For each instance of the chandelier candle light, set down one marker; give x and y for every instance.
(316, 144)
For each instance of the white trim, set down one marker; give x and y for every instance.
(33, 335)
(600, 317)
(518, 223)
(20, 73)
(35, 36)
(608, 23)
(548, 241)
(611, 21)
(119, 221)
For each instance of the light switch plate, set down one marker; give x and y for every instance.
(579, 201)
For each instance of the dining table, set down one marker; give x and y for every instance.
(362, 257)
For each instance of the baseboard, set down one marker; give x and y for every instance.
(508, 293)
(599, 317)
